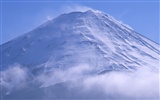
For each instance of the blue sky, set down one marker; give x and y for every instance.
(21, 16)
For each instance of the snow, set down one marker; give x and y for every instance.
(90, 38)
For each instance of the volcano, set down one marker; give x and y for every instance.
(79, 44)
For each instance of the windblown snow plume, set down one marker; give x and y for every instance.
(74, 8)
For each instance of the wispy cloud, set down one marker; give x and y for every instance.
(15, 77)
(136, 85)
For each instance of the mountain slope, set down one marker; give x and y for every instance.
(89, 38)
(76, 34)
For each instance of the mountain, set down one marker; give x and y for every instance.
(75, 44)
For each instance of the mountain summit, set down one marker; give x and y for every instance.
(92, 39)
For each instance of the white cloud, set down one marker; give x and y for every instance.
(57, 76)
(141, 84)
(15, 77)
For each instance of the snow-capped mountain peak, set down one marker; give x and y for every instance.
(77, 45)
(100, 36)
